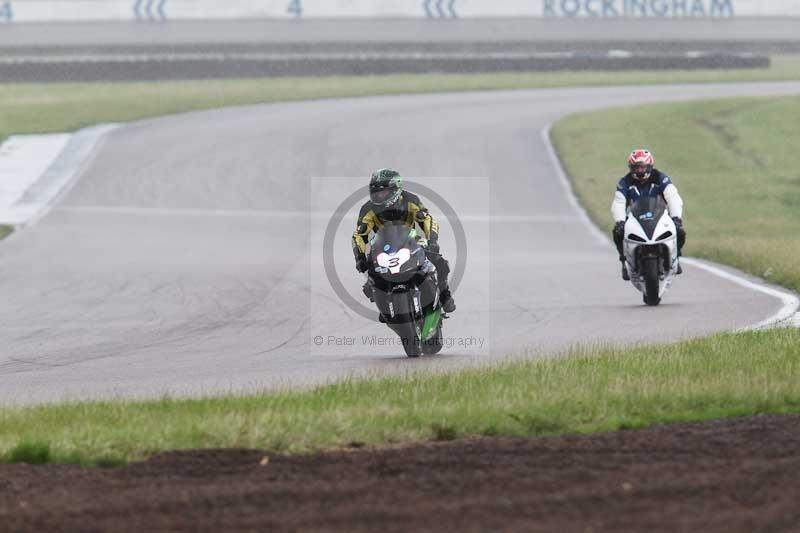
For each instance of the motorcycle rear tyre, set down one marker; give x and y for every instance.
(433, 345)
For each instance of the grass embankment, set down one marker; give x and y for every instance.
(721, 376)
(735, 161)
(45, 107)
(5, 231)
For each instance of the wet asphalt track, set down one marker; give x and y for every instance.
(186, 259)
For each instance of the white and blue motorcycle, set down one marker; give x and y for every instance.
(651, 248)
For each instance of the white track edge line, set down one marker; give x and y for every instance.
(566, 184)
(788, 315)
(791, 303)
(63, 172)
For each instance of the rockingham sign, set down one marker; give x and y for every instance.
(639, 8)
(159, 10)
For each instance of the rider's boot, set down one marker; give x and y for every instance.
(448, 303)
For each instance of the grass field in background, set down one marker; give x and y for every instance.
(59, 107)
(736, 163)
(721, 376)
(5, 231)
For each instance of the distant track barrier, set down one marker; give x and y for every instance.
(37, 68)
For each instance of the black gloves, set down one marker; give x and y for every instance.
(433, 247)
(361, 263)
(619, 228)
(678, 222)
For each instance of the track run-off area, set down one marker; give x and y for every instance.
(186, 258)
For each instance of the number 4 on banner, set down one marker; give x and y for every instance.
(6, 14)
(295, 8)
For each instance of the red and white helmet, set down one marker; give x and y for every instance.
(640, 163)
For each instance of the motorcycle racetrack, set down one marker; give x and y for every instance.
(185, 260)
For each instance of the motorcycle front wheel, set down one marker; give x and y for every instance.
(650, 275)
(409, 335)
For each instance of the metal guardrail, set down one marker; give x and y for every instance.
(218, 66)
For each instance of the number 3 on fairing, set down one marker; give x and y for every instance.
(6, 14)
(394, 262)
(295, 8)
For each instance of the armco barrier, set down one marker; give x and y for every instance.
(160, 10)
(206, 66)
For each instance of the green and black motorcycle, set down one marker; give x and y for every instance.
(403, 286)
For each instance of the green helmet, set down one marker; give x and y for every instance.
(385, 187)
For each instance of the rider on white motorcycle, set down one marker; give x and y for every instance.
(644, 180)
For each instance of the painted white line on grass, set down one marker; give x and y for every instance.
(42, 168)
(789, 313)
(23, 160)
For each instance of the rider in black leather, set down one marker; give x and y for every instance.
(388, 202)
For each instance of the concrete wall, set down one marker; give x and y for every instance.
(87, 10)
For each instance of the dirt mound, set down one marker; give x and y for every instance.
(733, 475)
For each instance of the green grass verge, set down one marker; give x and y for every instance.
(41, 108)
(5, 231)
(721, 376)
(735, 162)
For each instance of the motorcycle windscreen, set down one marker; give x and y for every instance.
(648, 211)
(397, 244)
